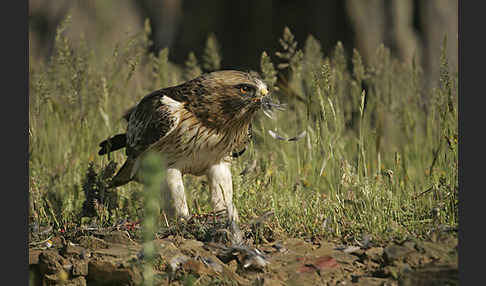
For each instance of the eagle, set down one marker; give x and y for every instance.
(197, 126)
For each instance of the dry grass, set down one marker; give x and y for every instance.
(377, 158)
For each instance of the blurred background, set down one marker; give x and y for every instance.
(244, 29)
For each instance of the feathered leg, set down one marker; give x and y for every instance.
(174, 196)
(221, 186)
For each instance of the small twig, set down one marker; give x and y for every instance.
(40, 242)
(423, 193)
(165, 218)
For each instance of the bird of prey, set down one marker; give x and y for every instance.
(196, 125)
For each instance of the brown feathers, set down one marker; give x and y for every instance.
(194, 124)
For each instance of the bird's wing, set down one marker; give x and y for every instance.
(151, 120)
(128, 112)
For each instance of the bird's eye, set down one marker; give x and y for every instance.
(246, 90)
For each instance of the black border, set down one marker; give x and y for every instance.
(461, 148)
(471, 122)
(468, 269)
(14, 140)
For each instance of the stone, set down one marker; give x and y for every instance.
(71, 249)
(92, 242)
(374, 253)
(58, 278)
(50, 262)
(109, 272)
(34, 256)
(121, 237)
(197, 267)
(78, 281)
(80, 268)
(395, 252)
(372, 281)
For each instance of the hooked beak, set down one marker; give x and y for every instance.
(263, 92)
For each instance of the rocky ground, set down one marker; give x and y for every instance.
(114, 256)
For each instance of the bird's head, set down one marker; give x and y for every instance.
(231, 97)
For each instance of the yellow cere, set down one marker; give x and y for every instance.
(264, 91)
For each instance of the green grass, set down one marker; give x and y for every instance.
(378, 162)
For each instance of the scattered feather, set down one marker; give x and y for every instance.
(177, 261)
(245, 255)
(278, 137)
(208, 261)
(348, 249)
(268, 113)
(268, 107)
(351, 249)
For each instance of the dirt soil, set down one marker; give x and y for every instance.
(116, 257)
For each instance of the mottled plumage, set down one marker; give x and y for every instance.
(197, 126)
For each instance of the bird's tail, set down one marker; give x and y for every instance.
(112, 144)
(124, 175)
